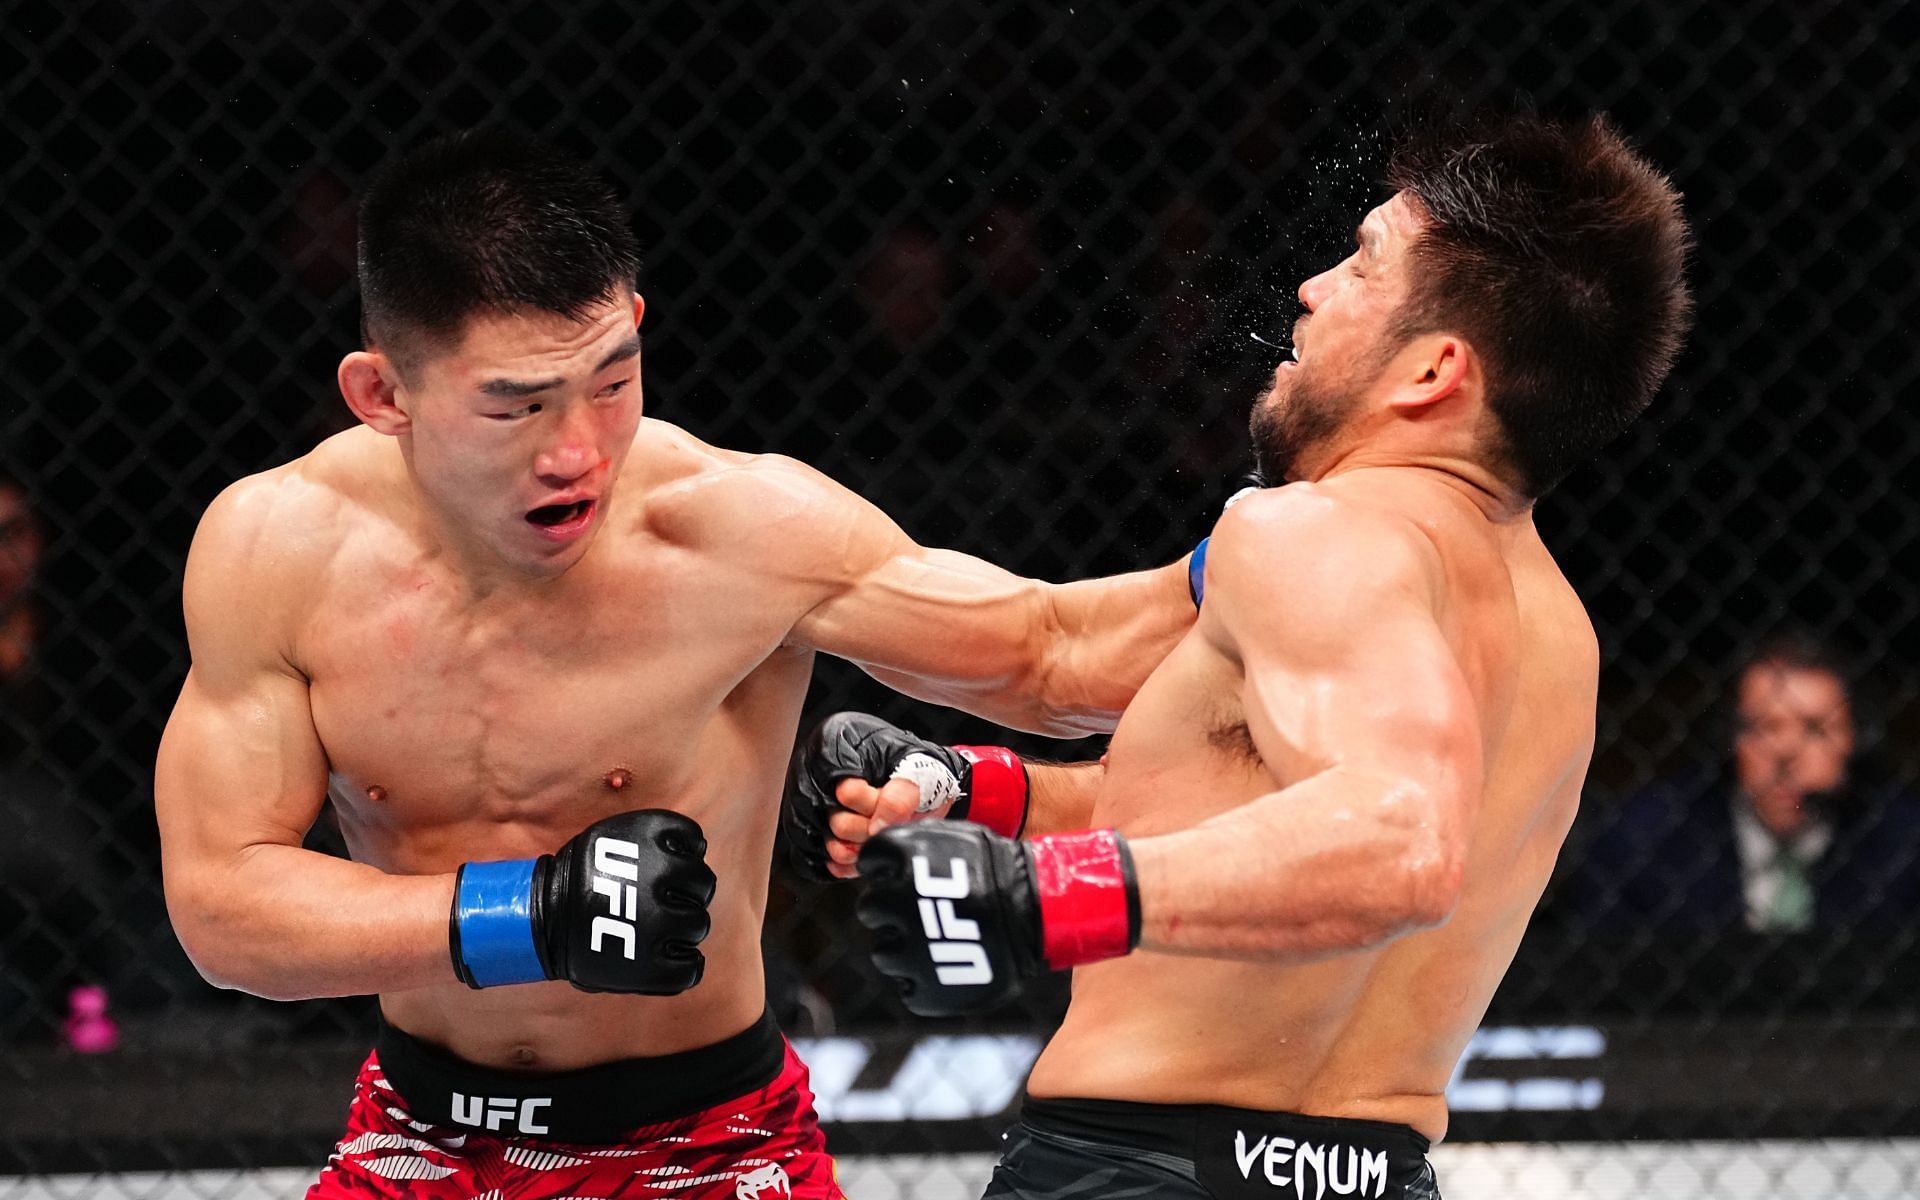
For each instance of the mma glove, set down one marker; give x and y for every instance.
(983, 784)
(962, 916)
(622, 907)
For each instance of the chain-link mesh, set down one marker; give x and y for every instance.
(999, 266)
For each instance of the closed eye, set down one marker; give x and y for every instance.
(514, 414)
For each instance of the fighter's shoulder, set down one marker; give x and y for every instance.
(278, 527)
(699, 493)
(1308, 540)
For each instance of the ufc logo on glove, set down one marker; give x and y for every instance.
(608, 868)
(953, 941)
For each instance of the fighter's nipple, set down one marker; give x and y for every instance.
(619, 778)
(376, 793)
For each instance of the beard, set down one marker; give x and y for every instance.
(1293, 416)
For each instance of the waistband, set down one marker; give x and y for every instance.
(1234, 1147)
(601, 1103)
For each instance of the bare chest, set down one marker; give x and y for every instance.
(1182, 752)
(437, 714)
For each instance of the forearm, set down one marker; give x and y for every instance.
(1335, 864)
(1060, 796)
(290, 924)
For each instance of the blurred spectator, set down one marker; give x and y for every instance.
(21, 543)
(50, 877)
(1791, 833)
(905, 285)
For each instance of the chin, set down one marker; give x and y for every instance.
(545, 562)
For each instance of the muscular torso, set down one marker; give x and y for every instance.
(1373, 1034)
(460, 726)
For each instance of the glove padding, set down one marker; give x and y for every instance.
(622, 907)
(962, 916)
(852, 745)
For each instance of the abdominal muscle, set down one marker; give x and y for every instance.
(1175, 1030)
(552, 1026)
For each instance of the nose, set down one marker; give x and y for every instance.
(572, 454)
(1314, 290)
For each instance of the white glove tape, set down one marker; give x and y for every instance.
(938, 785)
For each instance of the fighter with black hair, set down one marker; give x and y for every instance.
(547, 659)
(1295, 880)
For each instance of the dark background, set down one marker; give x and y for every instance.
(998, 267)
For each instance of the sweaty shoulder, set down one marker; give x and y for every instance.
(1317, 548)
(727, 502)
(266, 542)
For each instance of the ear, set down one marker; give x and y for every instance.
(639, 309)
(1434, 367)
(371, 383)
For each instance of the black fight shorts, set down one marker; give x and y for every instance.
(1070, 1149)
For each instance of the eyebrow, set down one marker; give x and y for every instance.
(515, 389)
(1368, 239)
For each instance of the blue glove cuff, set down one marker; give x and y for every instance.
(493, 915)
(1197, 572)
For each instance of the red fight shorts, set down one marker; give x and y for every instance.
(425, 1124)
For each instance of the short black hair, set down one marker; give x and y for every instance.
(1560, 254)
(485, 222)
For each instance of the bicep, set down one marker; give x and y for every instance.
(239, 765)
(240, 762)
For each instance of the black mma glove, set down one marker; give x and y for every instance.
(620, 908)
(962, 916)
(985, 784)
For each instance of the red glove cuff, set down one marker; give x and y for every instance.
(998, 797)
(1089, 901)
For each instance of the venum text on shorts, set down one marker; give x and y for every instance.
(1310, 1169)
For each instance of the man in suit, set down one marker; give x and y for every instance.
(1787, 836)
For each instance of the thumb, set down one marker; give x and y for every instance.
(897, 803)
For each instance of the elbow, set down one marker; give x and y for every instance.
(1068, 702)
(1070, 693)
(1427, 848)
(196, 926)
(216, 964)
(1069, 721)
(1433, 878)
(203, 931)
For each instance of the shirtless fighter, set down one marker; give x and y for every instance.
(547, 659)
(1323, 823)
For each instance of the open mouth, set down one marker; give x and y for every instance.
(552, 516)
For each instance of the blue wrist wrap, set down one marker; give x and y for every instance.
(493, 910)
(1197, 572)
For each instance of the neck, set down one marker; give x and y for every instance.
(1497, 501)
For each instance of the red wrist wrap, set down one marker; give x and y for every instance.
(998, 798)
(1088, 899)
